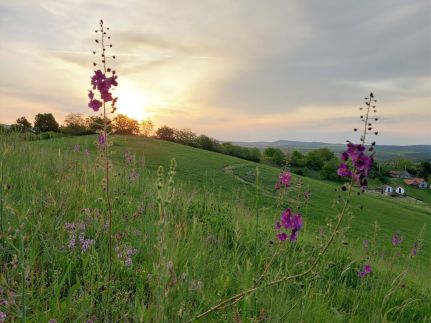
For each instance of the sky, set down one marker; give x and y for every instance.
(236, 70)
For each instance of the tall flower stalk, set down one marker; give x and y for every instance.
(358, 172)
(103, 82)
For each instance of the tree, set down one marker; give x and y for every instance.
(424, 169)
(94, 124)
(297, 159)
(147, 127)
(329, 169)
(75, 124)
(166, 133)
(45, 122)
(23, 123)
(207, 143)
(186, 137)
(123, 125)
(316, 158)
(275, 155)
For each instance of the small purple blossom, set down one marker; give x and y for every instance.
(415, 249)
(72, 242)
(397, 239)
(86, 152)
(77, 148)
(4, 302)
(283, 180)
(2, 317)
(366, 269)
(52, 321)
(291, 222)
(360, 163)
(102, 139)
(129, 158)
(133, 176)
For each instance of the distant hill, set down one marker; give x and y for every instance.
(384, 152)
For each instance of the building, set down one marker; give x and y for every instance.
(399, 174)
(388, 190)
(418, 182)
(400, 190)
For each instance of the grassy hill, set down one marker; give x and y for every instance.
(208, 249)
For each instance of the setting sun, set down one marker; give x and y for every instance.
(133, 104)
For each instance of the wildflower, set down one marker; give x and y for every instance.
(85, 244)
(77, 148)
(52, 321)
(2, 317)
(415, 248)
(133, 176)
(397, 239)
(289, 221)
(86, 152)
(95, 105)
(4, 302)
(129, 158)
(366, 244)
(361, 163)
(283, 180)
(366, 269)
(72, 242)
(102, 139)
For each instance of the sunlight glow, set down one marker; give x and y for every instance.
(133, 104)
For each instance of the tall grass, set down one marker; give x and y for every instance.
(210, 250)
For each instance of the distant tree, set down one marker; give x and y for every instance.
(75, 124)
(165, 133)
(186, 137)
(297, 159)
(424, 169)
(275, 156)
(329, 169)
(94, 124)
(207, 143)
(123, 125)
(44, 122)
(23, 123)
(315, 159)
(146, 127)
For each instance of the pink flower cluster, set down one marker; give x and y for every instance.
(366, 269)
(283, 180)
(361, 164)
(291, 222)
(103, 84)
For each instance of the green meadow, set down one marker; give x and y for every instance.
(217, 239)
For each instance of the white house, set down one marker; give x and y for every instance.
(400, 190)
(423, 184)
(388, 190)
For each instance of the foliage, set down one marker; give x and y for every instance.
(274, 156)
(44, 122)
(24, 124)
(146, 127)
(123, 125)
(165, 133)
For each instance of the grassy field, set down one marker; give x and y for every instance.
(207, 250)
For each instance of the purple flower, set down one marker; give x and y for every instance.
(397, 239)
(344, 171)
(283, 180)
(361, 163)
(2, 317)
(366, 269)
(86, 153)
(291, 222)
(128, 261)
(102, 139)
(52, 321)
(95, 105)
(133, 176)
(72, 242)
(4, 302)
(77, 148)
(85, 244)
(415, 248)
(129, 158)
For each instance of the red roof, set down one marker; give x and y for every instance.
(414, 181)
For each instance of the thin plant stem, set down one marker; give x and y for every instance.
(233, 299)
(256, 237)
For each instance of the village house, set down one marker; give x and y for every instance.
(418, 182)
(400, 190)
(399, 174)
(388, 190)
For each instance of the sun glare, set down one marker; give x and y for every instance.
(133, 104)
